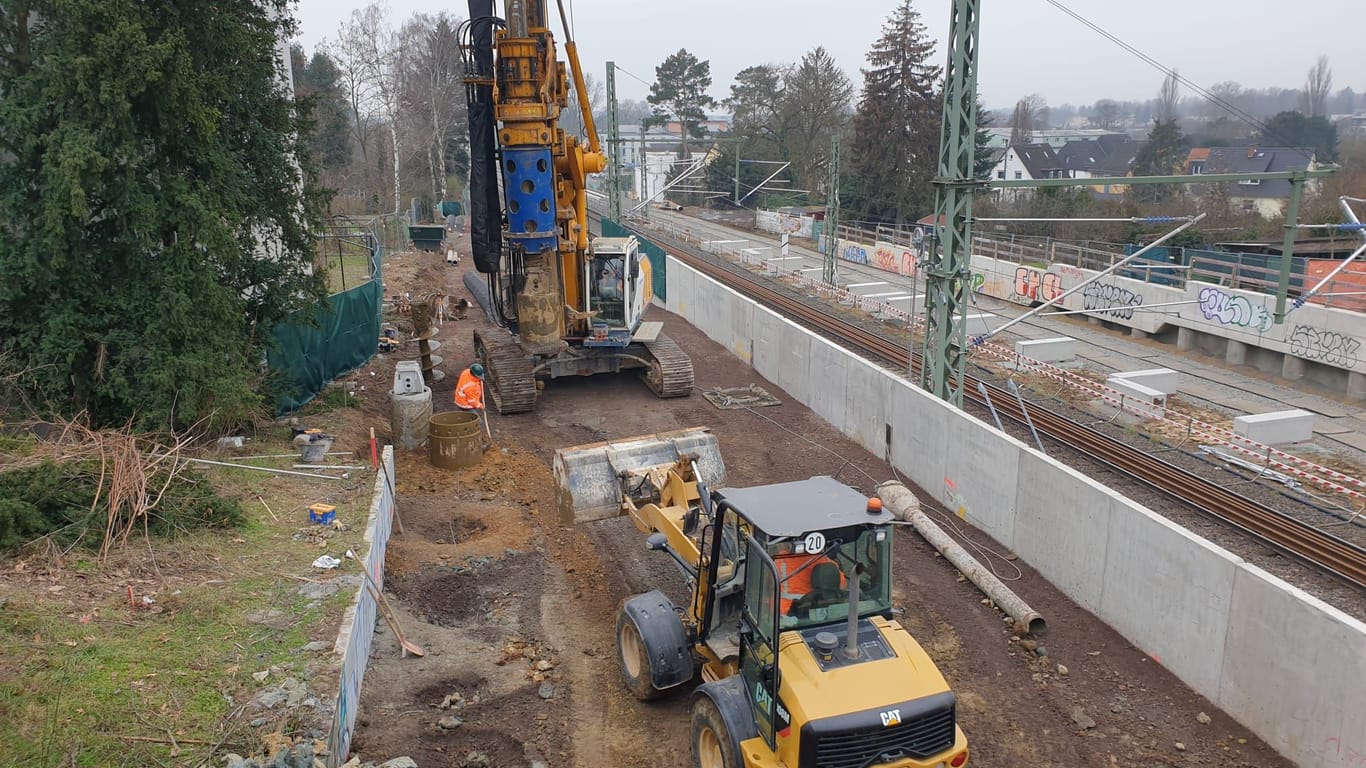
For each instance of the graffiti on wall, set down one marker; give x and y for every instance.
(1110, 299)
(1033, 285)
(978, 281)
(894, 258)
(1232, 309)
(852, 251)
(1328, 347)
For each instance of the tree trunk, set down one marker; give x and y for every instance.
(398, 200)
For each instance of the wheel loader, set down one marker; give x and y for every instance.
(788, 620)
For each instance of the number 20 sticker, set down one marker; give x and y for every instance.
(814, 542)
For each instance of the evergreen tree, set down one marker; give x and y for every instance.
(680, 93)
(156, 224)
(316, 81)
(895, 149)
(1163, 154)
(1293, 129)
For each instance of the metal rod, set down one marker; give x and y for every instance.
(1326, 278)
(781, 168)
(1015, 390)
(264, 469)
(978, 340)
(1130, 219)
(982, 388)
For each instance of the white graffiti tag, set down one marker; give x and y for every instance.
(1229, 309)
(1324, 346)
(1114, 300)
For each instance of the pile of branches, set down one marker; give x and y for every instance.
(68, 482)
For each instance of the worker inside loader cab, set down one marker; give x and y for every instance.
(469, 391)
(807, 581)
(611, 282)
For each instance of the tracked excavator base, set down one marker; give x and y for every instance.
(511, 373)
(592, 479)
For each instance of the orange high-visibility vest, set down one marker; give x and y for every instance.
(796, 579)
(469, 393)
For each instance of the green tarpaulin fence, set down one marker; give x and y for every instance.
(343, 338)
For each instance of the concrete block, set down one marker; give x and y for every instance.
(742, 328)
(982, 476)
(1185, 339)
(867, 410)
(1168, 591)
(919, 435)
(826, 374)
(1062, 527)
(766, 332)
(1235, 353)
(1356, 386)
(1276, 428)
(1293, 671)
(1062, 349)
(1161, 379)
(794, 367)
(679, 287)
(714, 304)
(1292, 368)
(1138, 399)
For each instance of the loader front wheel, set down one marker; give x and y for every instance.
(635, 659)
(712, 746)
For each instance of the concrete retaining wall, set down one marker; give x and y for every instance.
(1286, 665)
(358, 623)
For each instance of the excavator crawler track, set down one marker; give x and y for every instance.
(670, 371)
(508, 374)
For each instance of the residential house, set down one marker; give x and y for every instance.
(1109, 156)
(1029, 162)
(1265, 197)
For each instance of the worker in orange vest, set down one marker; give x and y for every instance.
(807, 581)
(469, 391)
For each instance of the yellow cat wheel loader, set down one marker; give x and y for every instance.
(789, 616)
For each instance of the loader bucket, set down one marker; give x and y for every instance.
(588, 477)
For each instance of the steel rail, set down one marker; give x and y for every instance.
(1289, 535)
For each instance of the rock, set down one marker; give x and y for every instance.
(1180, 747)
(320, 591)
(232, 760)
(282, 759)
(296, 697)
(1062, 670)
(270, 698)
(547, 690)
(1082, 720)
(315, 646)
(261, 676)
(477, 760)
(1029, 645)
(258, 722)
(448, 723)
(544, 666)
(273, 619)
(1116, 708)
(1202, 718)
(398, 762)
(303, 755)
(1041, 652)
(510, 552)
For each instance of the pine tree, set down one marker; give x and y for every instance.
(895, 148)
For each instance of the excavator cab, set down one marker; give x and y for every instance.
(618, 283)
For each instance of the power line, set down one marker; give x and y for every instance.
(1227, 106)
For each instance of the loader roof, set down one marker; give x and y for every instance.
(792, 509)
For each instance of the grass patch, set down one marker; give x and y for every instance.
(346, 271)
(87, 682)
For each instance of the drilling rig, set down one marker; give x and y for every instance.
(571, 305)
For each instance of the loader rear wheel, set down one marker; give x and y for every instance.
(635, 659)
(712, 746)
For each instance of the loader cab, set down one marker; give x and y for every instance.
(801, 544)
(617, 289)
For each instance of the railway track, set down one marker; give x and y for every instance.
(1293, 537)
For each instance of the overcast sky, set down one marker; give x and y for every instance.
(1027, 46)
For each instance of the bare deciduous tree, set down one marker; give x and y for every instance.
(1167, 99)
(1317, 88)
(1031, 114)
(1105, 114)
(431, 86)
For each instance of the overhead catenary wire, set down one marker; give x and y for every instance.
(1227, 106)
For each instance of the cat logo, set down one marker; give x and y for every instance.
(890, 718)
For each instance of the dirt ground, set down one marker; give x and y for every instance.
(517, 613)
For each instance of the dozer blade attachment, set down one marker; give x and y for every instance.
(589, 477)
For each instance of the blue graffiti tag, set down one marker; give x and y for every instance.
(1230, 309)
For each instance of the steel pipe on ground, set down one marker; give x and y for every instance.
(906, 507)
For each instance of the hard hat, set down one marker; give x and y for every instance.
(477, 370)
